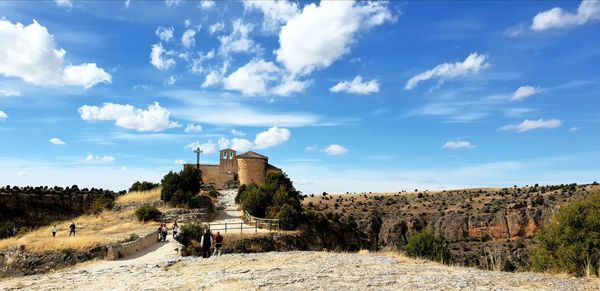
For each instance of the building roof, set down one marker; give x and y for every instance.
(252, 155)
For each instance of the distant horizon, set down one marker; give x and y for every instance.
(343, 96)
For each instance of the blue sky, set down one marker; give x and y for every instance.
(344, 96)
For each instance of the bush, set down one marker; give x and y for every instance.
(213, 193)
(288, 217)
(255, 201)
(425, 244)
(179, 188)
(6, 229)
(130, 238)
(147, 212)
(143, 186)
(571, 242)
(189, 233)
(105, 201)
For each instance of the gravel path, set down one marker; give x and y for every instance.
(288, 271)
(231, 214)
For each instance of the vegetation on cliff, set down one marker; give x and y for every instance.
(426, 245)
(143, 186)
(276, 198)
(571, 242)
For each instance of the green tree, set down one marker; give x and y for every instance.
(425, 244)
(571, 242)
(255, 202)
(170, 184)
(147, 213)
(288, 217)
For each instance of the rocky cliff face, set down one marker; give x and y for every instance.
(490, 228)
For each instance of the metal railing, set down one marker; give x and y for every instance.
(254, 223)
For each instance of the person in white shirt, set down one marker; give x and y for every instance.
(54, 231)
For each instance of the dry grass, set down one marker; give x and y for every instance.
(92, 230)
(139, 197)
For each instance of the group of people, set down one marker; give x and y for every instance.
(72, 230)
(163, 232)
(207, 241)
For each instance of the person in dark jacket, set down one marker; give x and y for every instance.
(218, 244)
(206, 242)
(73, 229)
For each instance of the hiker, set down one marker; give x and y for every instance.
(164, 233)
(206, 242)
(160, 232)
(175, 229)
(54, 231)
(218, 244)
(73, 228)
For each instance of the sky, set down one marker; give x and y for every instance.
(343, 96)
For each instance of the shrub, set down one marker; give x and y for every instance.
(105, 201)
(190, 232)
(213, 193)
(179, 188)
(288, 217)
(255, 201)
(170, 184)
(147, 213)
(6, 229)
(130, 238)
(571, 242)
(425, 244)
(143, 186)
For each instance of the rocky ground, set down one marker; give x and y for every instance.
(161, 269)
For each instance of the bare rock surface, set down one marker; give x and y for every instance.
(162, 269)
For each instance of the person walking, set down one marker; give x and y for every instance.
(206, 242)
(164, 233)
(54, 231)
(218, 244)
(73, 229)
(175, 229)
(160, 232)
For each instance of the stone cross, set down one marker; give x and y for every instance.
(198, 151)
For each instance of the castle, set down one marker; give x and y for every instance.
(246, 168)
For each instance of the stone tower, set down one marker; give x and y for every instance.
(227, 161)
(252, 167)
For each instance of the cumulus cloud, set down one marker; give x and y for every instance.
(158, 60)
(241, 145)
(332, 27)
(30, 53)
(99, 159)
(9, 92)
(356, 86)
(252, 78)
(179, 162)
(458, 144)
(57, 141)
(239, 40)
(171, 3)
(212, 29)
(64, 3)
(336, 150)
(272, 137)
(187, 39)
(289, 85)
(171, 81)
(527, 125)
(212, 78)
(276, 13)
(207, 148)
(193, 128)
(223, 143)
(523, 92)
(3, 115)
(155, 118)
(164, 33)
(471, 65)
(588, 11)
(206, 4)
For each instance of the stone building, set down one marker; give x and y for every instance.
(233, 168)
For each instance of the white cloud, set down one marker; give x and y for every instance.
(238, 41)
(311, 148)
(193, 128)
(171, 81)
(574, 128)
(164, 33)
(99, 159)
(588, 11)
(187, 23)
(527, 125)
(212, 29)
(30, 53)
(3, 115)
(171, 3)
(21, 173)
(207, 148)
(155, 118)
(471, 65)
(187, 39)
(356, 86)
(276, 13)
(515, 31)
(212, 78)
(157, 59)
(241, 145)
(523, 92)
(9, 92)
(206, 4)
(272, 137)
(223, 143)
(64, 3)
(336, 150)
(180, 162)
(57, 141)
(290, 85)
(127, 2)
(458, 144)
(236, 132)
(252, 78)
(331, 28)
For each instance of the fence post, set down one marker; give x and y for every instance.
(255, 226)
(241, 227)
(225, 227)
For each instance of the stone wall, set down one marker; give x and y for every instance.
(121, 250)
(251, 170)
(212, 174)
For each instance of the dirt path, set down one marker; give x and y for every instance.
(231, 214)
